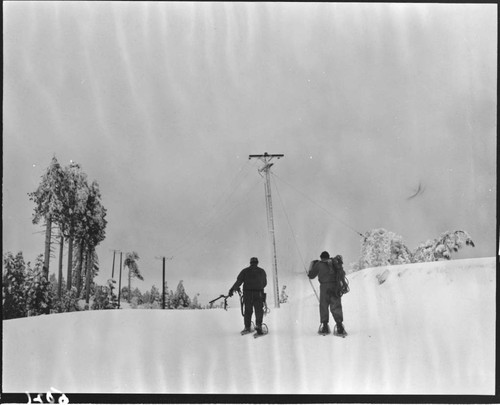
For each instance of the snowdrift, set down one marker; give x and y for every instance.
(413, 329)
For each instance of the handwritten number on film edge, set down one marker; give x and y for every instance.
(63, 399)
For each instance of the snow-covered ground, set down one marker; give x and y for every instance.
(427, 329)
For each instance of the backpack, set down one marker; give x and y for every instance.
(341, 283)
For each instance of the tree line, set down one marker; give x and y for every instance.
(380, 247)
(27, 292)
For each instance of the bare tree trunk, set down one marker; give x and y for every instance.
(61, 249)
(70, 255)
(129, 284)
(88, 261)
(79, 270)
(48, 236)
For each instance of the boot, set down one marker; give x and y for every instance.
(325, 329)
(340, 329)
(258, 329)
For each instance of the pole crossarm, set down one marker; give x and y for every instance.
(265, 157)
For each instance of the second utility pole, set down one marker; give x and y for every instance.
(270, 220)
(163, 280)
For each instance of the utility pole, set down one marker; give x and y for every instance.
(113, 268)
(163, 280)
(266, 158)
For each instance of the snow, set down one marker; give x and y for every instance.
(427, 329)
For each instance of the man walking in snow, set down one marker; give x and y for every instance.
(329, 299)
(254, 281)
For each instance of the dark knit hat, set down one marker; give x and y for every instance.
(325, 255)
(254, 260)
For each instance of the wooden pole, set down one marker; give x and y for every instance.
(113, 269)
(163, 286)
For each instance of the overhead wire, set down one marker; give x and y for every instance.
(219, 209)
(231, 188)
(319, 206)
(294, 238)
(208, 228)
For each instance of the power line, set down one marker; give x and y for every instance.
(319, 206)
(216, 208)
(295, 239)
(208, 227)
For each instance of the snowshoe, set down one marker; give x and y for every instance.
(338, 330)
(246, 331)
(324, 329)
(262, 331)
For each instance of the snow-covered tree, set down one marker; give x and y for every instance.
(133, 269)
(283, 295)
(37, 289)
(13, 293)
(136, 293)
(195, 303)
(93, 231)
(65, 198)
(47, 199)
(400, 254)
(352, 267)
(146, 297)
(442, 247)
(74, 197)
(69, 301)
(154, 298)
(380, 247)
(180, 298)
(104, 298)
(168, 297)
(54, 285)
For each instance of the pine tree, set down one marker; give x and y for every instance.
(146, 298)
(195, 304)
(169, 304)
(180, 298)
(137, 293)
(13, 294)
(69, 301)
(47, 199)
(74, 197)
(133, 269)
(283, 295)
(104, 298)
(155, 297)
(91, 231)
(383, 248)
(442, 248)
(37, 289)
(112, 295)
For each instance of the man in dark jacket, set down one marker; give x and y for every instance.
(254, 281)
(327, 298)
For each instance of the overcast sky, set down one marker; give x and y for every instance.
(161, 104)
